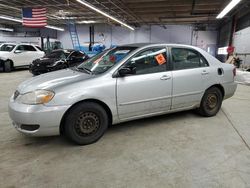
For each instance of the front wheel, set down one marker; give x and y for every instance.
(211, 102)
(8, 66)
(86, 123)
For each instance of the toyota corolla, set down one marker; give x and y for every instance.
(121, 84)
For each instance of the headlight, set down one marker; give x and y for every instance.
(36, 97)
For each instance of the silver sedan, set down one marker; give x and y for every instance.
(121, 84)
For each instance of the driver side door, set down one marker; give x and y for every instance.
(148, 90)
(19, 56)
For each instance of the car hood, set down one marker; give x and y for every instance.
(51, 81)
(4, 55)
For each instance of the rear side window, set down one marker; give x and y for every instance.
(25, 48)
(183, 58)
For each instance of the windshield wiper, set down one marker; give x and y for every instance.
(85, 69)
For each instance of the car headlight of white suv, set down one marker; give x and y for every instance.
(36, 97)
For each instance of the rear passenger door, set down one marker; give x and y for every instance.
(32, 54)
(190, 72)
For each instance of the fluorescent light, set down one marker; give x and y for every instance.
(104, 13)
(11, 19)
(229, 7)
(6, 29)
(65, 17)
(20, 21)
(86, 22)
(54, 27)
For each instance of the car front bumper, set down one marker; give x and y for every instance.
(46, 118)
(40, 69)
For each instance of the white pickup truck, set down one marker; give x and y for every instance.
(17, 55)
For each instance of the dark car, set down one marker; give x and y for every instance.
(56, 60)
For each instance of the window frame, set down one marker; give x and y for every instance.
(35, 50)
(167, 67)
(186, 48)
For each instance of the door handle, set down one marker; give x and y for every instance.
(165, 77)
(204, 72)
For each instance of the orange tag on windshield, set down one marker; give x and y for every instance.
(160, 59)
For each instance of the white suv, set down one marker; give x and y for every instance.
(16, 55)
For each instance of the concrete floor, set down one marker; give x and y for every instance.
(177, 150)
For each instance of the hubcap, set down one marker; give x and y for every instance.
(87, 124)
(212, 100)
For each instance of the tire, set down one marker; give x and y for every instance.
(65, 66)
(211, 102)
(86, 123)
(8, 66)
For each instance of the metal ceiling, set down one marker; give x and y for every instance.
(135, 12)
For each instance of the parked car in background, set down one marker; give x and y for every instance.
(121, 84)
(56, 60)
(18, 55)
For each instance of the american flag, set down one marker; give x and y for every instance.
(34, 17)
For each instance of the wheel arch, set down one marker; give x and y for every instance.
(12, 63)
(101, 103)
(220, 87)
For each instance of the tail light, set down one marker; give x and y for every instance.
(234, 71)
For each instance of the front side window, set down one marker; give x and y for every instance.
(149, 61)
(102, 62)
(183, 58)
(7, 47)
(56, 54)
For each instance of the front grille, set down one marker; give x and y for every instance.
(16, 94)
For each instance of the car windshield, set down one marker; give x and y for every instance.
(100, 63)
(58, 54)
(7, 47)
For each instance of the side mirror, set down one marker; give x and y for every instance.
(126, 71)
(17, 51)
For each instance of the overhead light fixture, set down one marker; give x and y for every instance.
(20, 21)
(227, 9)
(104, 13)
(65, 17)
(54, 27)
(11, 19)
(6, 29)
(86, 22)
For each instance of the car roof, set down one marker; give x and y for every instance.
(13, 43)
(64, 50)
(140, 45)
(209, 57)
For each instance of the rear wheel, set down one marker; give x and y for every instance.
(211, 102)
(86, 123)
